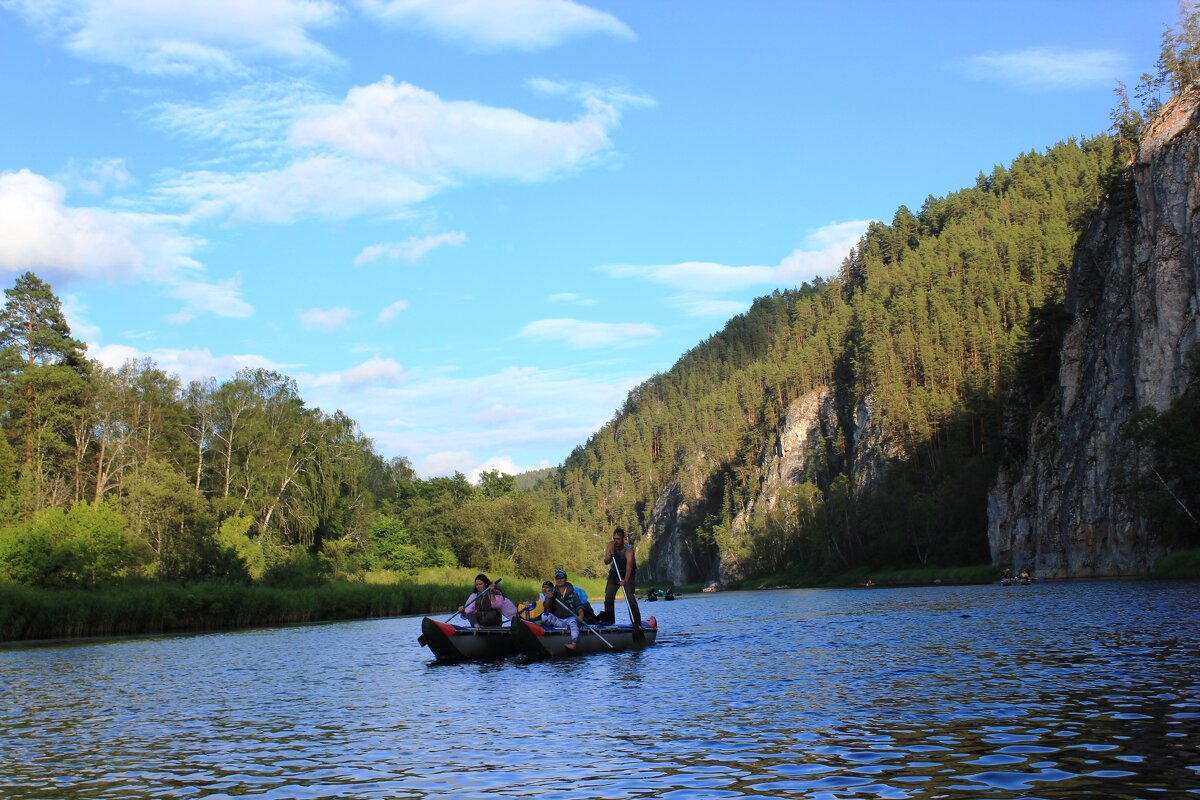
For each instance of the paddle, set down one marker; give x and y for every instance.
(495, 583)
(639, 635)
(567, 608)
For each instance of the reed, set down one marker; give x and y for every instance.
(28, 613)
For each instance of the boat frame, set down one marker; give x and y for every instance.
(535, 641)
(461, 642)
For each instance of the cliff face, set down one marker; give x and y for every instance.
(1133, 299)
(1133, 304)
(800, 448)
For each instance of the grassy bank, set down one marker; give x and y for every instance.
(28, 613)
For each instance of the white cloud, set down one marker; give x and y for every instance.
(502, 464)
(194, 364)
(322, 186)
(519, 24)
(222, 298)
(326, 320)
(180, 37)
(438, 141)
(700, 306)
(96, 177)
(372, 372)
(822, 255)
(39, 232)
(1048, 68)
(580, 334)
(411, 250)
(389, 312)
(442, 421)
(498, 414)
(250, 121)
(696, 275)
(288, 152)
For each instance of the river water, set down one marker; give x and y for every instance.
(1053, 690)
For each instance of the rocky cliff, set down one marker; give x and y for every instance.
(1133, 297)
(799, 449)
(1061, 509)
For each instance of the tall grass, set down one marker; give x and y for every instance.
(28, 613)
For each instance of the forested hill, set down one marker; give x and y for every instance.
(894, 370)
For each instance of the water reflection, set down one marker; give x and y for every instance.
(1045, 691)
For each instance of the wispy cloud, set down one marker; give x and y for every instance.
(181, 38)
(389, 312)
(586, 335)
(411, 250)
(326, 320)
(821, 255)
(176, 37)
(1048, 68)
(373, 372)
(485, 24)
(701, 306)
(382, 150)
(437, 141)
(97, 176)
(325, 187)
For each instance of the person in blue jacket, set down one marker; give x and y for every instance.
(563, 609)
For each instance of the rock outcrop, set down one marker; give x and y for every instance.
(1133, 297)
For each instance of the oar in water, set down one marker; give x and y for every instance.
(567, 608)
(639, 635)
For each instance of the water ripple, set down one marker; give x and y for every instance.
(1046, 691)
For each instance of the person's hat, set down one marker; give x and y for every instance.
(558, 573)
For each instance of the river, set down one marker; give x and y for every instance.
(1052, 690)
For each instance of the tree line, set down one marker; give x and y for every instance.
(130, 474)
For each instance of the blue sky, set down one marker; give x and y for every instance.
(474, 225)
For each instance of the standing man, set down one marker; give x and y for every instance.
(622, 568)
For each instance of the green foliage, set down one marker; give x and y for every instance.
(83, 546)
(1184, 564)
(391, 548)
(296, 568)
(234, 535)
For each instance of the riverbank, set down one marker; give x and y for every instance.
(33, 614)
(1184, 564)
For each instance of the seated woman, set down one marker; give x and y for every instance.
(487, 607)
